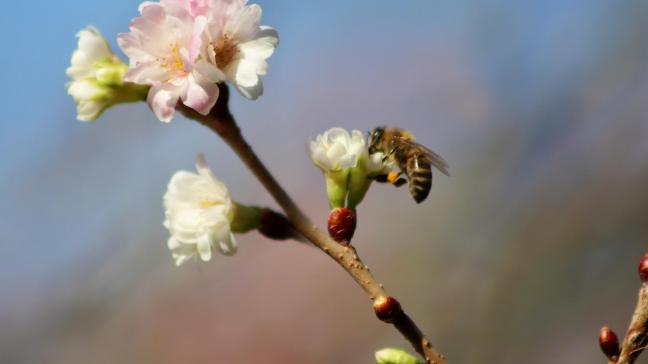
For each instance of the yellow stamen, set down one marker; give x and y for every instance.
(174, 64)
(177, 60)
(208, 203)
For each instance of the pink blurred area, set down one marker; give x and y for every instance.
(519, 257)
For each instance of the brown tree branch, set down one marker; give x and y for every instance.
(221, 121)
(636, 338)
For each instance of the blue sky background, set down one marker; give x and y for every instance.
(531, 245)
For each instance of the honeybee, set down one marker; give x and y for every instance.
(410, 158)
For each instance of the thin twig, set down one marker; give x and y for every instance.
(636, 339)
(221, 121)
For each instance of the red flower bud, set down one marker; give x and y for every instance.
(386, 308)
(342, 224)
(609, 343)
(643, 268)
(277, 227)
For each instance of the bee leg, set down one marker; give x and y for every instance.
(381, 178)
(388, 155)
(392, 177)
(399, 182)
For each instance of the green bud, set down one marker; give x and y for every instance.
(395, 356)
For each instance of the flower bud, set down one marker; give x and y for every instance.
(386, 308)
(342, 224)
(643, 268)
(277, 227)
(97, 77)
(609, 343)
(395, 356)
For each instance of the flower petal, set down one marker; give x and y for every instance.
(252, 92)
(228, 246)
(163, 99)
(200, 97)
(268, 35)
(204, 248)
(147, 73)
(244, 23)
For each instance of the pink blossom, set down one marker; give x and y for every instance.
(183, 48)
(239, 45)
(164, 47)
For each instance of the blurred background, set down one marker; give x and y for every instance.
(532, 244)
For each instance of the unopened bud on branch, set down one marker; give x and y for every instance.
(342, 224)
(643, 268)
(277, 227)
(97, 77)
(386, 308)
(609, 343)
(395, 356)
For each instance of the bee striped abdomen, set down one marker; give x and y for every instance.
(419, 175)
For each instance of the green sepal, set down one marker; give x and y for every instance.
(110, 72)
(130, 92)
(246, 218)
(359, 183)
(336, 187)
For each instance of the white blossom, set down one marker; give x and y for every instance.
(347, 166)
(199, 213)
(239, 45)
(336, 150)
(97, 76)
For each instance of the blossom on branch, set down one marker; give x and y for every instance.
(347, 166)
(184, 48)
(97, 77)
(199, 213)
(239, 45)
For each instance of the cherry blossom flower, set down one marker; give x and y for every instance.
(164, 48)
(347, 166)
(183, 48)
(239, 45)
(199, 212)
(336, 150)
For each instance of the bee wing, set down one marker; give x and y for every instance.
(434, 159)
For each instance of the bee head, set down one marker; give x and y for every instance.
(375, 138)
